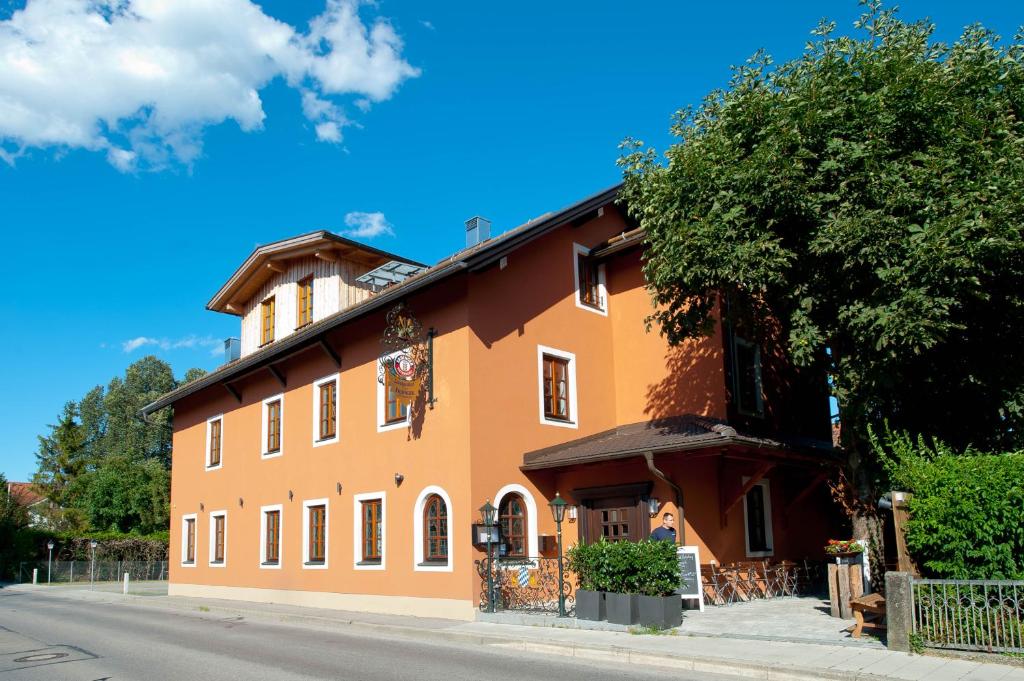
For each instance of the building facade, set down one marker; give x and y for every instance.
(376, 404)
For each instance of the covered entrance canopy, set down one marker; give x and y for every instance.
(613, 476)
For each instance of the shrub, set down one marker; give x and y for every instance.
(646, 567)
(967, 512)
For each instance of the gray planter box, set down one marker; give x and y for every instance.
(622, 608)
(663, 612)
(590, 605)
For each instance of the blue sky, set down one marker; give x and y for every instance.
(501, 110)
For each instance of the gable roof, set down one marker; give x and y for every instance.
(252, 273)
(24, 494)
(472, 259)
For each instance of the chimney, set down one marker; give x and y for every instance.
(477, 229)
(232, 349)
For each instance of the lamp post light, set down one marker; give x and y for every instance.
(487, 512)
(558, 513)
(92, 565)
(49, 559)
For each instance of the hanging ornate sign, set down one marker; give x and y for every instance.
(404, 361)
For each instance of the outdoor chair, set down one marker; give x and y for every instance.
(774, 576)
(717, 585)
(789, 572)
(746, 579)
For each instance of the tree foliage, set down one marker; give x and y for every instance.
(867, 198)
(104, 467)
(967, 513)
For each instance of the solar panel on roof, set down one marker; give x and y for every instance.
(389, 273)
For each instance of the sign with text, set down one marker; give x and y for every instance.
(689, 574)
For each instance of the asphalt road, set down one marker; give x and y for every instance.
(46, 638)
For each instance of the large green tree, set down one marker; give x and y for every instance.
(867, 199)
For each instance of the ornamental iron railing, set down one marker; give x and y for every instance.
(983, 615)
(525, 585)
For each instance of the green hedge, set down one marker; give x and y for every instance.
(967, 512)
(649, 568)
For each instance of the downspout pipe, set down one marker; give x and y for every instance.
(649, 458)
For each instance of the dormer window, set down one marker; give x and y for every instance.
(267, 325)
(305, 302)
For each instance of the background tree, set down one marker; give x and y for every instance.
(865, 197)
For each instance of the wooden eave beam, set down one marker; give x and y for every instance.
(749, 485)
(327, 255)
(276, 373)
(233, 307)
(234, 393)
(275, 266)
(329, 351)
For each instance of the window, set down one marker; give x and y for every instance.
(270, 534)
(432, 546)
(556, 388)
(188, 540)
(556, 377)
(325, 410)
(372, 536)
(273, 420)
(615, 523)
(214, 429)
(315, 534)
(267, 321)
(512, 517)
(746, 377)
(591, 292)
(305, 302)
(368, 531)
(393, 398)
(435, 530)
(218, 538)
(757, 512)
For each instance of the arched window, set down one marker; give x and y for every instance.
(513, 520)
(435, 529)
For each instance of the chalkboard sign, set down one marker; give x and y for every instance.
(689, 574)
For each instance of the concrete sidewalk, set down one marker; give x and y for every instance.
(758, 658)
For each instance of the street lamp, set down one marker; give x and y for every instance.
(92, 565)
(49, 559)
(558, 513)
(487, 513)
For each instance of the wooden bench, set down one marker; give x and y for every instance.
(868, 605)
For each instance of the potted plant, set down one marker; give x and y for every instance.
(585, 560)
(620, 568)
(657, 572)
(843, 548)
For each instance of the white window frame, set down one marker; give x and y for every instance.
(213, 538)
(325, 502)
(418, 531)
(602, 288)
(532, 541)
(184, 539)
(768, 534)
(574, 414)
(263, 536)
(382, 405)
(736, 342)
(209, 435)
(357, 530)
(263, 428)
(316, 410)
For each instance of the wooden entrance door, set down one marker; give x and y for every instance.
(614, 513)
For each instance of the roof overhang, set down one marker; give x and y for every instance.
(267, 260)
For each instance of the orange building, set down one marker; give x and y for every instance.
(376, 404)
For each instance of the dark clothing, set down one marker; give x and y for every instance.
(662, 533)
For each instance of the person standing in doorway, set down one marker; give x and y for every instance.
(667, 530)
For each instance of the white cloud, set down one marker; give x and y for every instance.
(139, 80)
(191, 341)
(368, 225)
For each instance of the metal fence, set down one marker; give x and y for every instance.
(525, 585)
(983, 615)
(87, 571)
